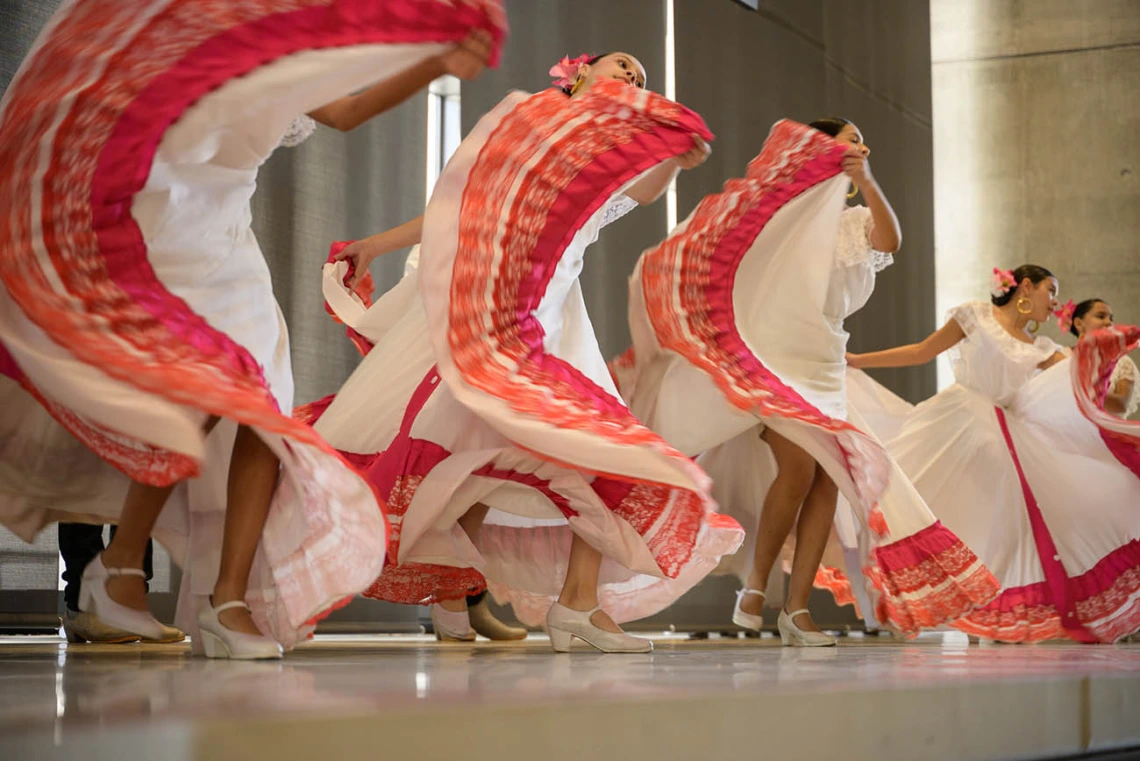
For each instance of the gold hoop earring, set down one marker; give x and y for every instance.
(1024, 311)
(577, 86)
(1033, 326)
(854, 192)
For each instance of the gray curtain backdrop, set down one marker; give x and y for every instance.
(868, 62)
(20, 22)
(336, 186)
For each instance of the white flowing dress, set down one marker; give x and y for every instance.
(737, 324)
(1036, 481)
(537, 434)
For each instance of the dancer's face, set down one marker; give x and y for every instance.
(620, 66)
(1100, 316)
(851, 135)
(1042, 297)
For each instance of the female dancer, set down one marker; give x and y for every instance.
(1018, 460)
(1123, 395)
(506, 454)
(140, 314)
(738, 357)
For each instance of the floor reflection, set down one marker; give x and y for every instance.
(45, 685)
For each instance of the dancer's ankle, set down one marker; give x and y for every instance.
(118, 557)
(454, 606)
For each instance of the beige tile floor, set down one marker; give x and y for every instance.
(408, 697)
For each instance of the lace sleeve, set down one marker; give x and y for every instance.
(880, 260)
(619, 206)
(1125, 370)
(854, 245)
(299, 131)
(967, 316)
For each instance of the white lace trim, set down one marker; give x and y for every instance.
(299, 131)
(854, 244)
(1126, 370)
(978, 316)
(880, 260)
(619, 206)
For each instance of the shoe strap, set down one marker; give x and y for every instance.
(126, 572)
(746, 591)
(587, 613)
(793, 614)
(231, 605)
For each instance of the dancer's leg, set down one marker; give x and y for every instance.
(253, 476)
(795, 473)
(580, 590)
(812, 533)
(128, 546)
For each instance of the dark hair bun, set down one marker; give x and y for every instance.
(1035, 274)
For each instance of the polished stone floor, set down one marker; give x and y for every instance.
(939, 697)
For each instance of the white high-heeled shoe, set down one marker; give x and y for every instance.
(564, 624)
(450, 625)
(93, 598)
(219, 641)
(793, 636)
(744, 620)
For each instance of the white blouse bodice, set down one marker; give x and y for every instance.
(990, 360)
(566, 272)
(570, 265)
(856, 266)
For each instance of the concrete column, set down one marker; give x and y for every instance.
(1037, 147)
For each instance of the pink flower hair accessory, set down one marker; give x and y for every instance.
(566, 70)
(1004, 282)
(1064, 315)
